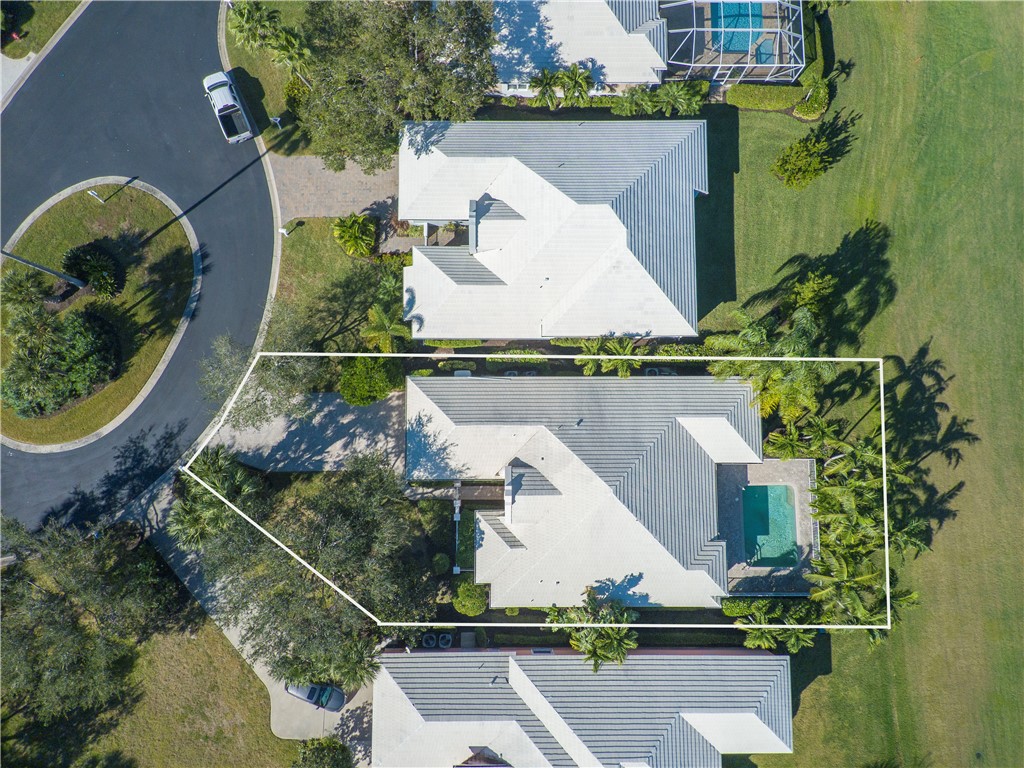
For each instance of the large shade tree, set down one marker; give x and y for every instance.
(352, 526)
(375, 65)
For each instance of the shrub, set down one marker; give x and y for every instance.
(441, 564)
(511, 611)
(510, 101)
(470, 598)
(772, 98)
(96, 267)
(456, 365)
(55, 360)
(567, 343)
(681, 350)
(801, 162)
(738, 606)
(452, 343)
(526, 358)
(295, 94)
(365, 380)
(603, 101)
(356, 234)
(326, 752)
(422, 372)
(815, 104)
(481, 637)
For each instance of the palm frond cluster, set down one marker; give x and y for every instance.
(599, 645)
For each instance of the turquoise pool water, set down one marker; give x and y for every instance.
(745, 16)
(769, 526)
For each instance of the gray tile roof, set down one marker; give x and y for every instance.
(628, 712)
(626, 431)
(464, 686)
(646, 171)
(460, 265)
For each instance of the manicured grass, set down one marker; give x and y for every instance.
(36, 24)
(937, 158)
(146, 312)
(198, 703)
(310, 257)
(262, 83)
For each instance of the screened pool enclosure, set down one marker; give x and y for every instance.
(729, 41)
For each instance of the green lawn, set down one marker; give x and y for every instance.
(36, 23)
(198, 703)
(938, 159)
(146, 312)
(310, 257)
(262, 83)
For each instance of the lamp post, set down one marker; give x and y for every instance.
(92, 192)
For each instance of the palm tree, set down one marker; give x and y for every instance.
(762, 611)
(841, 583)
(544, 85)
(637, 100)
(576, 82)
(682, 97)
(355, 664)
(253, 24)
(289, 50)
(622, 347)
(357, 234)
(385, 326)
(601, 645)
(198, 514)
(785, 445)
(592, 348)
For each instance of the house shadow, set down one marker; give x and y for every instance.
(714, 213)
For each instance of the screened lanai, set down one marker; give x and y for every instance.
(724, 40)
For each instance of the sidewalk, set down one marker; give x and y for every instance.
(289, 717)
(10, 71)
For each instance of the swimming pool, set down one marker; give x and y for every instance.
(769, 526)
(738, 16)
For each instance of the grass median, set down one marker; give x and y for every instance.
(157, 258)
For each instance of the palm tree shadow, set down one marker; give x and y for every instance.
(864, 284)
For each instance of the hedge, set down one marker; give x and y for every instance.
(515, 357)
(452, 343)
(422, 372)
(772, 98)
(457, 365)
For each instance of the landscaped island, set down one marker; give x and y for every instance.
(74, 359)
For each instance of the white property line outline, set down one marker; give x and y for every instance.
(880, 362)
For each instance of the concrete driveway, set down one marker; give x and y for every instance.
(321, 443)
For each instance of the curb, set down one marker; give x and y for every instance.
(42, 53)
(172, 345)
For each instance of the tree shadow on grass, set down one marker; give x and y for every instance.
(837, 133)
(714, 213)
(864, 284)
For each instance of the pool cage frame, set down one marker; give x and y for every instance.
(690, 61)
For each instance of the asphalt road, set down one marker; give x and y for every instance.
(121, 94)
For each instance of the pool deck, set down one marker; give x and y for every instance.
(732, 479)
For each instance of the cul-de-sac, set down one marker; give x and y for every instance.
(526, 383)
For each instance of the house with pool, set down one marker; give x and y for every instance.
(627, 43)
(652, 490)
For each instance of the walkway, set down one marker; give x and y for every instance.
(10, 71)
